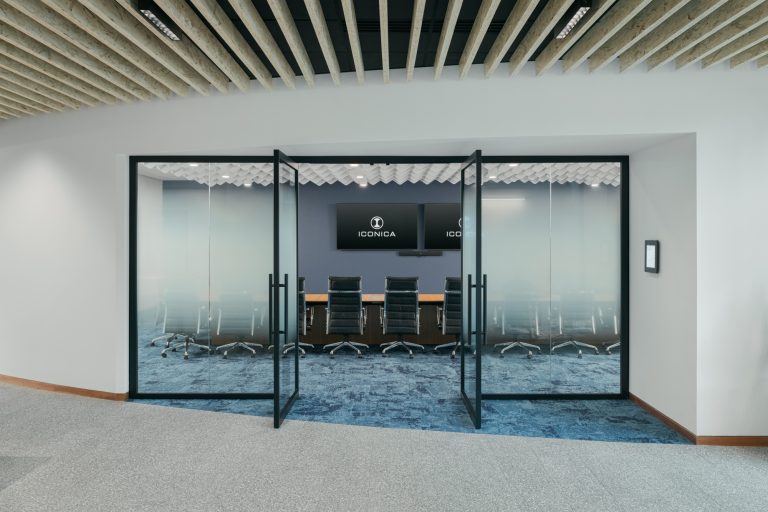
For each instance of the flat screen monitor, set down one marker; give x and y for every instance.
(376, 226)
(442, 226)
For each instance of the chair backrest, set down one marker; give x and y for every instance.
(344, 314)
(607, 314)
(577, 312)
(519, 317)
(451, 315)
(302, 310)
(401, 305)
(183, 314)
(236, 315)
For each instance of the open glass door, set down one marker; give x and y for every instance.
(473, 286)
(284, 297)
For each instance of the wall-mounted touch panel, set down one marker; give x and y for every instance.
(376, 226)
(442, 226)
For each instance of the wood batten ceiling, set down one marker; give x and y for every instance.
(57, 55)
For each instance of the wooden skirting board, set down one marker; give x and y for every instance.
(106, 395)
(700, 440)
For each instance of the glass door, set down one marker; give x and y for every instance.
(284, 298)
(473, 286)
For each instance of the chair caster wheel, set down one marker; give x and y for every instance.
(164, 355)
(359, 356)
(579, 354)
(173, 350)
(210, 351)
(225, 355)
(302, 356)
(186, 357)
(383, 355)
(411, 356)
(453, 356)
(332, 356)
(253, 356)
(501, 356)
(530, 354)
(151, 343)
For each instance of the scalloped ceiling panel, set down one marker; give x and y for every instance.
(587, 173)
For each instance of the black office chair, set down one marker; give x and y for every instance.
(449, 314)
(608, 321)
(237, 317)
(184, 322)
(306, 318)
(401, 312)
(577, 319)
(518, 321)
(345, 314)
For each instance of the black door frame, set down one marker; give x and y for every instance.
(623, 160)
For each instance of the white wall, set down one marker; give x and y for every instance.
(63, 220)
(663, 306)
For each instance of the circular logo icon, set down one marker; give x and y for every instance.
(459, 221)
(377, 222)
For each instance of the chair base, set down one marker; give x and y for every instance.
(172, 346)
(250, 347)
(168, 338)
(454, 345)
(346, 344)
(611, 347)
(513, 344)
(302, 346)
(574, 343)
(407, 345)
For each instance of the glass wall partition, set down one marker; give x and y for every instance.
(552, 251)
(204, 238)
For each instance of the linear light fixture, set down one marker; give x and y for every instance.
(578, 10)
(159, 19)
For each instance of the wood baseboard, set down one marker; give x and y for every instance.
(45, 386)
(700, 440)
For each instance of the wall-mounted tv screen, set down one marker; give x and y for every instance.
(442, 226)
(376, 226)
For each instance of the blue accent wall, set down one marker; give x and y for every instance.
(319, 258)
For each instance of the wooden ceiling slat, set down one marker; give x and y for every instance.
(648, 20)
(288, 26)
(701, 30)
(750, 54)
(316, 16)
(557, 47)
(73, 11)
(350, 20)
(18, 45)
(413, 41)
(384, 31)
(194, 28)
(73, 39)
(91, 70)
(19, 103)
(10, 111)
(35, 81)
(30, 94)
(541, 28)
(446, 35)
(762, 61)
(602, 31)
(509, 32)
(754, 36)
(724, 36)
(476, 35)
(668, 31)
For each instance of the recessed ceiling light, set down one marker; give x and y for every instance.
(513, 165)
(247, 184)
(363, 185)
(225, 176)
(161, 21)
(595, 185)
(354, 165)
(360, 177)
(491, 177)
(574, 15)
(193, 165)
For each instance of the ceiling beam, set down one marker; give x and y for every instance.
(557, 47)
(701, 30)
(23, 76)
(413, 41)
(753, 37)
(20, 104)
(73, 11)
(648, 20)
(17, 45)
(98, 74)
(71, 38)
(724, 36)
(11, 111)
(182, 58)
(516, 20)
(6, 115)
(30, 94)
(479, 29)
(194, 28)
(291, 33)
(446, 34)
(384, 31)
(225, 28)
(668, 31)
(750, 54)
(348, 7)
(316, 16)
(602, 31)
(541, 28)
(762, 61)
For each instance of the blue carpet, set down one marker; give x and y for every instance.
(419, 393)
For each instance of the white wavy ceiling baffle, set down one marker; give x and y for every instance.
(587, 173)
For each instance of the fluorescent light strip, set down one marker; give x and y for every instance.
(572, 23)
(162, 27)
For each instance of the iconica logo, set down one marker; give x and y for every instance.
(377, 222)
